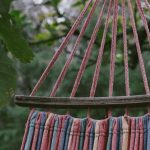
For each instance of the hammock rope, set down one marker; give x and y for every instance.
(78, 41)
(88, 52)
(141, 61)
(113, 48)
(125, 49)
(141, 12)
(100, 55)
(126, 66)
(61, 48)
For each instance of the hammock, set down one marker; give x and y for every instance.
(45, 130)
(51, 131)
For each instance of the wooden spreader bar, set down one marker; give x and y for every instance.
(82, 102)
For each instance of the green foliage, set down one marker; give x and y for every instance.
(4, 6)
(12, 36)
(76, 4)
(18, 18)
(12, 124)
(14, 41)
(7, 78)
(55, 3)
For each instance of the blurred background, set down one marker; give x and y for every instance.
(30, 33)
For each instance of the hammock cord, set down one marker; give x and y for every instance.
(61, 48)
(88, 52)
(113, 54)
(126, 65)
(78, 41)
(125, 49)
(113, 48)
(101, 49)
(100, 55)
(141, 11)
(141, 61)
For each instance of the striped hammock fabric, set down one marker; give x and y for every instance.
(48, 131)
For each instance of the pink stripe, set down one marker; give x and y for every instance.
(71, 136)
(62, 130)
(74, 135)
(61, 118)
(87, 134)
(36, 132)
(51, 132)
(46, 135)
(141, 138)
(132, 134)
(77, 135)
(103, 134)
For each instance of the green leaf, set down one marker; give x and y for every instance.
(13, 40)
(18, 17)
(7, 78)
(78, 3)
(11, 35)
(4, 6)
(55, 2)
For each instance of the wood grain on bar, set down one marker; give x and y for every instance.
(82, 102)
